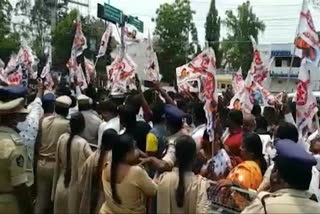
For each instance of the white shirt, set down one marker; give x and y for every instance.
(267, 148)
(197, 135)
(28, 133)
(29, 128)
(114, 123)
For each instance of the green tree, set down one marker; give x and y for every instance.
(9, 41)
(63, 35)
(62, 38)
(35, 24)
(237, 47)
(173, 29)
(41, 23)
(212, 26)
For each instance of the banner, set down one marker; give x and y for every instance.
(307, 39)
(90, 69)
(306, 104)
(72, 65)
(258, 69)
(152, 71)
(188, 80)
(121, 75)
(238, 89)
(201, 73)
(78, 46)
(207, 62)
(81, 79)
(47, 67)
(26, 57)
(79, 42)
(104, 41)
(15, 76)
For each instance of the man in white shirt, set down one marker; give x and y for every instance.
(109, 113)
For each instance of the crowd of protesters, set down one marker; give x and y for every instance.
(67, 151)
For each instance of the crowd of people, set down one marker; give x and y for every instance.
(70, 151)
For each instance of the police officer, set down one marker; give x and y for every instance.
(14, 194)
(290, 180)
(52, 127)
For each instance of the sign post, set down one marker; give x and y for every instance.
(110, 14)
(116, 16)
(135, 22)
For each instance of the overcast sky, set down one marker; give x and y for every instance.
(280, 16)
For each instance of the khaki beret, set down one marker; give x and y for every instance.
(83, 99)
(13, 106)
(64, 101)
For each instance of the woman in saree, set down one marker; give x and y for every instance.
(92, 196)
(246, 175)
(181, 191)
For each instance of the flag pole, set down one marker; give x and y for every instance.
(294, 49)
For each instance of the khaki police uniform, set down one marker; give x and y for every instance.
(51, 129)
(283, 201)
(13, 159)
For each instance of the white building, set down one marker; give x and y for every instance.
(284, 78)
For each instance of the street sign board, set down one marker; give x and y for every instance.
(135, 22)
(110, 14)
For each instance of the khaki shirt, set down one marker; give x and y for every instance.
(13, 159)
(283, 201)
(170, 155)
(93, 121)
(52, 128)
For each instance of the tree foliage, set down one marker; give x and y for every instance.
(63, 35)
(9, 41)
(34, 24)
(173, 29)
(212, 26)
(237, 47)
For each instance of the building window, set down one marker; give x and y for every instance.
(278, 62)
(296, 62)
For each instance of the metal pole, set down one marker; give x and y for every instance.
(122, 41)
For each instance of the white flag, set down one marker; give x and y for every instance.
(307, 38)
(81, 79)
(152, 71)
(90, 69)
(121, 75)
(47, 67)
(305, 101)
(79, 42)
(104, 41)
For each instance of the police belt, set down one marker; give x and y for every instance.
(47, 158)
